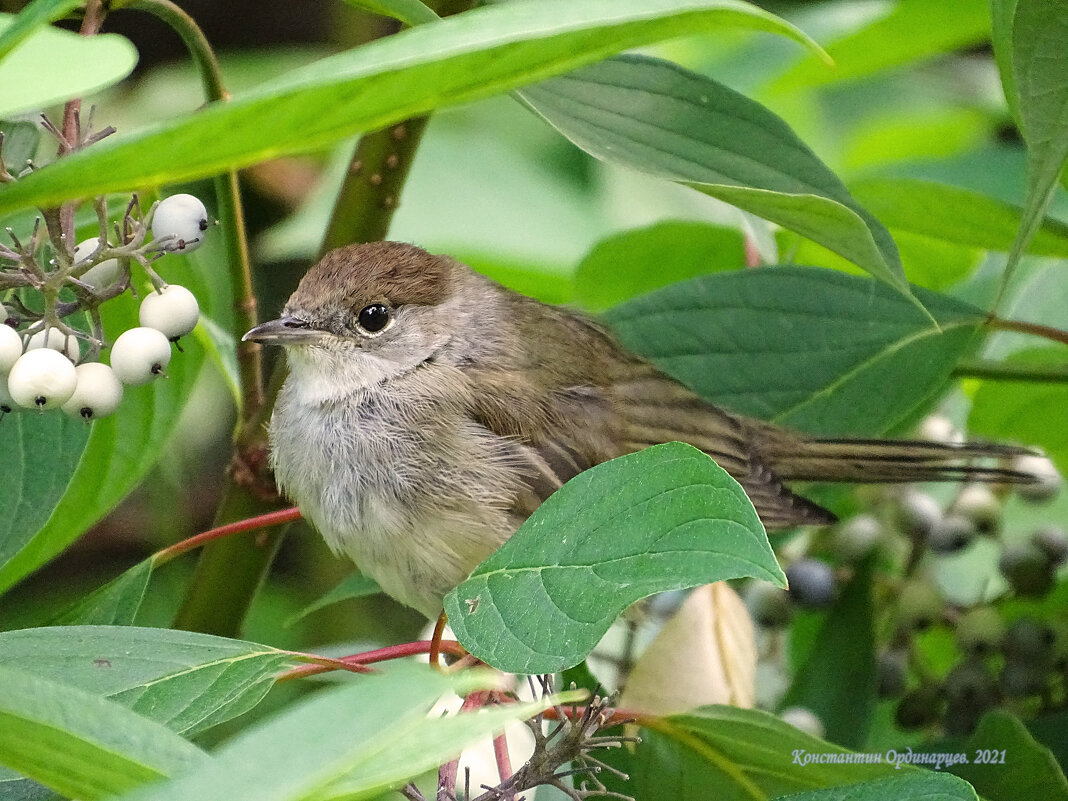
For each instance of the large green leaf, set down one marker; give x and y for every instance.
(35, 14)
(114, 604)
(1001, 14)
(184, 680)
(50, 65)
(640, 260)
(837, 679)
(656, 117)
(468, 56)
(914, 787)
(1032, 772)
(299, 753)
(1040, 70)
(661, 519)
(1025, 411)
(82, 745)
(818, 350)
(732, 754)
(354, 585)
(952, 214)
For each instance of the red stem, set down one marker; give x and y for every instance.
(248, 524)
(370, 657)
(504, 761)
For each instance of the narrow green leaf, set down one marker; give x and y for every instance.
(21, 139)
(354, 585)
(82, 745)
(410, 12)
(918, 787)
(654, 116)
(1027, 412)
(1001, 14)
(910, 31)
(52, 65)
(661, 519)
(114, 604)
(1028, 770)
(735, 754)
(1040, 68)
(34, 15)
(306, 748)
(184, 680)
(462, 58)
(837, 680)
(952, 214)
(640, 260)
(818, 350)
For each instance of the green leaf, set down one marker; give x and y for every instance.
(1028, 412)
(354, 585)
(410, 12)
(30, 18)
(1028, 770)
(919, 787)
(20, 144)
(661, 519)
(42, 453)
(837, 680)
(643, 259)
(817, 350)
(462, 58)
(1040, 69)
(1001, 14)
(302, 751)
(82, 745)
(955, 215)
(656, 117)
(910, 31)
(114, 604)
(52, 65)
(184, 680)
(732, 754)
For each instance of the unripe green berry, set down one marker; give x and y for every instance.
(951, 534)
(1020, 679)
(1053, 542)
(56, 340)
(42, 379)
(10, 348)
(97, 394)
(1028, 570)
(812, 583)
(855, 538)
(919, 606)
(979, 504)
(918, 708)
(892, 672)
(769, 606)
(917, 513)
(182, 217)
(99, 275)
(140, 355)
(173, 311)
(979, 631)
(1030, 641)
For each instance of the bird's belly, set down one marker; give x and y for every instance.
(415, 509)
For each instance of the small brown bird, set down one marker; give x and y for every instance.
(429, 411)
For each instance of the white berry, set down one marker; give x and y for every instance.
(56, 340)
(183, 217)
(42, 379)
(97, 394)
(140, 355)
(99, 275)
(173, 310)
(10, 347)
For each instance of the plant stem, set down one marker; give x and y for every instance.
(1037, 329)
(1001, 371)
(248, 524)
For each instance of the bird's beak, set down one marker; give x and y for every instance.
(284, 331)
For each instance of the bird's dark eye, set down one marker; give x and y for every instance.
(373, 318)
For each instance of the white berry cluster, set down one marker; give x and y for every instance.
(42, 363)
